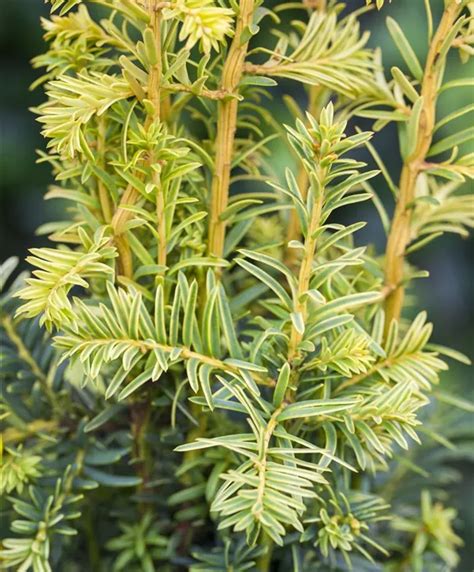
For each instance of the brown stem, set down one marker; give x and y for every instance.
(125, 261)
(118, 223)
(122, 215)
(226, 127)
(399, 236)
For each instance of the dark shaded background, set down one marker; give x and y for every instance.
(447, 294)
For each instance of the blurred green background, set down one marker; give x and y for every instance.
(447, 294)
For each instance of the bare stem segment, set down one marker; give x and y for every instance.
(399, 235)
(226, 127)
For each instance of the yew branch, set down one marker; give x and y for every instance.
(399, 236)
